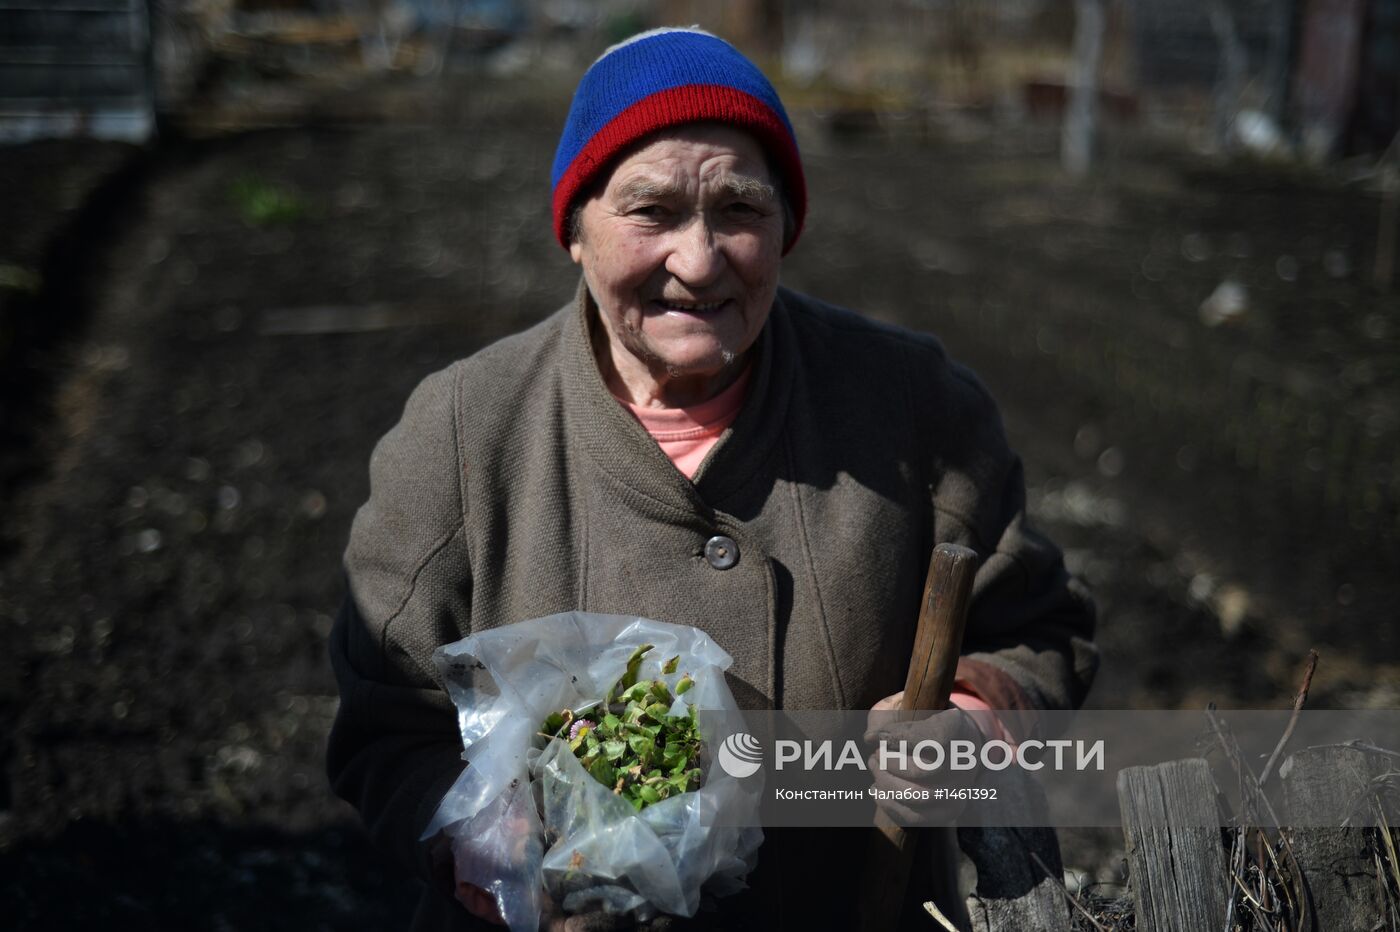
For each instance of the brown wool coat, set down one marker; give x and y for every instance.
(515, 486)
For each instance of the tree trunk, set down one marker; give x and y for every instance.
(1077, 133)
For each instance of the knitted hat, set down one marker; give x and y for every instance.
(668, 77)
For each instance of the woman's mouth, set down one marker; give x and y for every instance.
(689, 307)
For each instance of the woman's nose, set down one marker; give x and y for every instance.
(695, 257)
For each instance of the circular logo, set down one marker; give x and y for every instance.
(740, 755)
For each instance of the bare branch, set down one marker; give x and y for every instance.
(1301, 698)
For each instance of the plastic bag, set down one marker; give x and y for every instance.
(602, 853)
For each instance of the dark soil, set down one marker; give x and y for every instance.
(258, 304)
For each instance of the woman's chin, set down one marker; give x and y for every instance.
(699, 365)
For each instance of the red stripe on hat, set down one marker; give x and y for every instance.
(690, 103)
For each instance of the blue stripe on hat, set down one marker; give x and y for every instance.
(654, 63)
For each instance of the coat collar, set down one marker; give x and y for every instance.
(623, 449)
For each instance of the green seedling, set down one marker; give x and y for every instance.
(262, 203)
(630, 742)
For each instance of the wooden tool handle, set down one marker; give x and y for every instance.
(942, 620)
(937, 645)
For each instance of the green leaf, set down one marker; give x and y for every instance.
(684, 685)
(670, 665)
(604, 772)
(262, 203)
(633, 745)
(634, 663)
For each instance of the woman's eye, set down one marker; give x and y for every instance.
(742, 210)
(649, 211)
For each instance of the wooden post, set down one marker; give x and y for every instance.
(1176, 860)
(1019, 871)
(1324, 786)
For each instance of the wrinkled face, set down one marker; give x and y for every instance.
(681, 251)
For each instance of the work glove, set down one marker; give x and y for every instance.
(916, 800)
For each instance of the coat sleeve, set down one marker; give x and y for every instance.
(394, 748)
(1029, 641)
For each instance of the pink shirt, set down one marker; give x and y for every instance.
(686, 435)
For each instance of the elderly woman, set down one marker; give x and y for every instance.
(688, 441)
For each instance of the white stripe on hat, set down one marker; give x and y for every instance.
(661, 30)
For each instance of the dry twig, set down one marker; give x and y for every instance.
(1248, 781)
(1073, 900)
(1272, 891)
(1301, 698)
(1236, 868)
(932, 909)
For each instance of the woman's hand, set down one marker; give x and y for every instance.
(479, 903)
(915, 801)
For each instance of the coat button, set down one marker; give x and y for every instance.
(722, 552)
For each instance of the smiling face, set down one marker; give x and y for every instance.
(680, 250)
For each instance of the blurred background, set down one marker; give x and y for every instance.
(236, 233)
